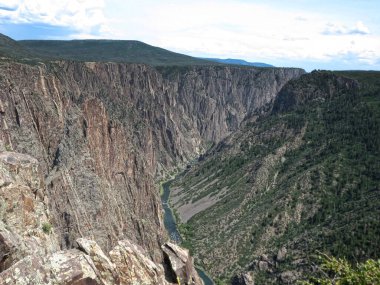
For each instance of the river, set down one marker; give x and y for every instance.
(171, 227)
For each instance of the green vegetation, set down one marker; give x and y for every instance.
(161, 187)
(109, 50)
(33, 51)
(187, 233)
(305, 177)
(47, 227)
(338, 271)
(221, 282)
(11, 48)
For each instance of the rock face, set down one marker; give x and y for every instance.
(103, 133)
(181, 264)
(29, 248)
(24, 219)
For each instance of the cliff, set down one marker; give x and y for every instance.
(105, 133)
(30, 252)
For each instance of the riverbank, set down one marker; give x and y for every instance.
(172, 229)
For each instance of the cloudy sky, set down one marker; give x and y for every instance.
(324, 34)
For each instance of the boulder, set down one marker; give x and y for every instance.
(281, 254)
(63, 267)
(263, 265)
(107, 270)
(288, 277)
(134, 267)
(181, 264)
(243, 279)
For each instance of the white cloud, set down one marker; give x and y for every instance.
(246, 30)
(339, 29)
(81, 15)
(9, 5)
(215, 28)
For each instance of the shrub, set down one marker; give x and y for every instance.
(338, 271)
(46, 228)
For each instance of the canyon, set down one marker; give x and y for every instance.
(83, 147)
(272, 166)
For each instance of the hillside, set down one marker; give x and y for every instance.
(109, 51)
(304, 178)
(122, 51)
(11, 48)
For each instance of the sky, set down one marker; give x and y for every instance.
(311, 34)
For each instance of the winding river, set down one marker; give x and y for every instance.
(171, 227)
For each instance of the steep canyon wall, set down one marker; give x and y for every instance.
(104, 133)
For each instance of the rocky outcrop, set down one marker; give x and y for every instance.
(24, 222)
(243, 279)
(107, 271)
(63, 267)
(128, 264)
(179, 262)
(29, 248)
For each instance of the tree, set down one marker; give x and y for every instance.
(338, 271)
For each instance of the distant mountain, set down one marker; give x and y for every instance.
(127, 51)
(239, 62)
(94, 50)
(110, 50)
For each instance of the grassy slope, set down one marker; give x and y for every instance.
(11, 48)
(94, 50)
(307, 179)
(109, 50)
